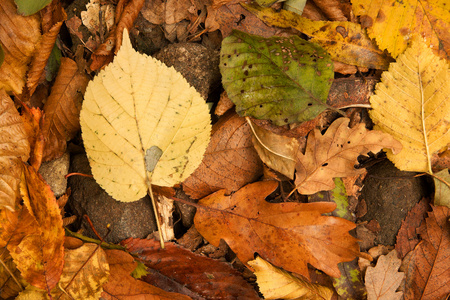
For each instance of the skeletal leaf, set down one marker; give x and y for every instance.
(142, 123)
(412, 103)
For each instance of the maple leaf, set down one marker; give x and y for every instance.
(289, 235)
(428, 272)
(335, 153)
(383, 280)
(412, 104)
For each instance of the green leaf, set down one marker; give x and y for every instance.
(29, 7)
(54, 61)
(283, 79)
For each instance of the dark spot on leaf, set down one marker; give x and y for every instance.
(246, 72)
(404, 31)
(224, 64)
(380, 17)
(286, 120)
(325, 164)
(259, 55)
(242, 91)
(260, 106)
(309, 104)
(250, 66)
(366, 21)
(229, 55)
(348, 142)
(341, 30)
(323, 28)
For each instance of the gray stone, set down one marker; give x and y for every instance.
(126, 219)
(54, 173)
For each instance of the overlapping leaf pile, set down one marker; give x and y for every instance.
(143, 124)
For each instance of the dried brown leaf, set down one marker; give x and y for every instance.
(62, 109)
(289, 235)
(55, 14)
(177, 268)
(428, 273)
(383, 280)
(335, 153)
(19, 36)
(230, 161)
(14, 148)
(121, 285)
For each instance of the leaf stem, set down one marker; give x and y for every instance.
(155, 211)
(424, 129)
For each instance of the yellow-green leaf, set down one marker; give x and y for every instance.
(346, 42)
(142, 123)
(442, 188)
(412, 103)
(275, 283)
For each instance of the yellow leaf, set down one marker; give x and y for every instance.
(412, 104)
(275, 283)
(142, 123)
(276, 151)
(393, 23)
(442, 188)
(335, 153)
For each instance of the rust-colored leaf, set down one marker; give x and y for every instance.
(126, 14)
(289, 235)
(9, 277)
(335, 154)
(62, 109)
(121, 285)
(19, 36)
(383, 280)
(14, 148)
(407, 238)
(189, 273)
(53, 15)
(40, 254)
(230, 161)
(32, 120)
(428, 274)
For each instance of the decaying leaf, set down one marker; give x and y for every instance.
(428, 273)
(134, 106)
(275, 283)
(393, 23)
(298, 231)
(335, 153)
(442, 188)
(19, 36)
(122, 284)
(14, 148)
(230, 160)
(62, 109)
(40, 254)
(383, 280)
(9, 276)
(412, 104)
(178, 269)
(282, 79)
(346, 42)
(276, 151)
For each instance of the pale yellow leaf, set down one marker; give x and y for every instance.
(335, 154)
(275, 283)
(442, 188)
(276, 151)
(412, 103)
(142, 122)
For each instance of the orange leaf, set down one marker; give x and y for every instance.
(121, 285)
(230, 161)
(428, 274)
(40, 254)
(335, 154)
(289, 235)
(14, 148)
(18, 36)
(62, 109)
(176, 267)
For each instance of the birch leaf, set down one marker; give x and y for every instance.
(412, 104)
(142, 123)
